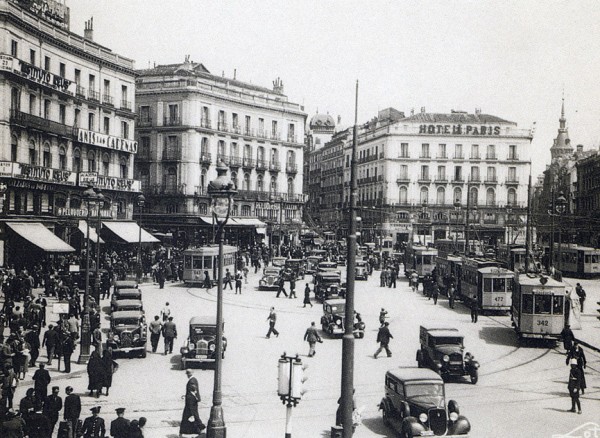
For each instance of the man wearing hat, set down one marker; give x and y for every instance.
(574, 386)
(119, 428)
(38, 424)
(72, 409)
(13, 425)
(53, 406)
(93, 427)
(42, 379)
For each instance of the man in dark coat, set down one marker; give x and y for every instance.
(72, 409)
(190, 419)
(27, 404)
(568, 337)
(68, 347)
(13, 426)
(38, 424)
(119, 428)
(93, 427)
(281, 287)
(383, 337)
(574, 386)
(169, 332)
(272, 318)
(53, 406)
(95, 370)
(32, 337)
(50, 341)
(312, 337)
(41, 379)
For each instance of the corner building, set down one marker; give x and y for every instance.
(67, 122)
(189, 120)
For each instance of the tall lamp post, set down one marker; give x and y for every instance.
(561, 207)
(221, 190)
(141, 200)
(89, 196)
(424, 221)
(100, 203)
(508, 223)
(457, 208)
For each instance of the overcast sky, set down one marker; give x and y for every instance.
(511, 59)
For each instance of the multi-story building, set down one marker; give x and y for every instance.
(190, 119)
(414, 174)
(67, 122)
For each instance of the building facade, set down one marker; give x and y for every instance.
(414, 174)
(67, 122)
(189, 120)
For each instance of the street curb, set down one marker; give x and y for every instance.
(590, 346)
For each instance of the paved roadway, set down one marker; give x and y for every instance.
(521, 391)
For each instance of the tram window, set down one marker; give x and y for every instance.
(509, 285)
(588, 258)
(595, 258)
(487, 285)
(427, 260)
(499, 285)
(557, 305)
(187, 261)
(198, 262)
(528, 303)
(208, 262)
(543, 304)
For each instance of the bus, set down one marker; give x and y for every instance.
(206, 258)
(576, 261)
(538, 307)
(512, 257)
(419, 258)
(487, 283)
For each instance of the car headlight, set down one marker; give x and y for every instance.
(423, 417)
(191, 346)
(446, 358)
(453, 416)
(136, 337)
(212, 347)
(116, 338)
(476, 365)
(184, 350)
(338, 321)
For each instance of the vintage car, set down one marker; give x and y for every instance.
(278, 261)
(127, 304)
(311, 264)
(328, 267)
(334, 318)
(361, 270)
(270, 278)
(124, 284)
(295, 267)
(200, 345)
(124, 294)
(415, 405)
(340, 259)
(328, 285)
(442, 350)
(127, 333)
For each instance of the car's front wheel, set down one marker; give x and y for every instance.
(474, 377)
(386, 416)
(143, 354)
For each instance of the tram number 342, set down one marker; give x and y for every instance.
(543, 322)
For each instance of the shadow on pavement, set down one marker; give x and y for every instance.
(175, 361)
(375, 424)
(498, 336)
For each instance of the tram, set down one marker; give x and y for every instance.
(487, 283)
(419, 258)
(206, 258)
(387, 247)
(577, 261)
(449, 246)
(538, 307)
(448, 267)
(512, 257)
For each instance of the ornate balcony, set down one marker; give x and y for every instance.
(262, 165)
(205, 158)
(172, 121)
(247, 163)
(291, 168)
(126, 105)
(205, 123)
(30, 121)
(94, 95)
(235, 161)
(144, 122)
(274, 166)
(107, 99)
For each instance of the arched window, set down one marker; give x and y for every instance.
(145, 178)
(62, 157)
(260, 186)
(60, 201)
(91, 156)
(457, 195)
(403, 199)
(424, 195)
(273, 186)
(221, 150)
(290, 188)
(203, 208)
(474, 196)
(441, 196)
(171, 180)
(246, 210)
(32, 153)
(203, 182)
(14, 144)
(247, 152)
(512, 197)
(291, 158)
(123, 170)
(46, 156)
(105, 164)
(77, 160)
(234, 179)
(75, 202)
(260, 153)
(234, 150)
(490, 197)
(246, 185)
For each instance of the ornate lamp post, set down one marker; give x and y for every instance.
(89, 196)
(561, 207)
(221, 190)
(141, 200)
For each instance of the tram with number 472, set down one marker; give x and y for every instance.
(538, 307)
(488, 284)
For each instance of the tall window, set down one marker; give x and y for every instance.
(234, 150)
(14, 145)
(32, 153)
(474, 196)
(491, 152)
(123, 167)
(32, 57)
(260, 153)
(291, 132)
(490, 197)
(92, 83)
(62, 114)
(221, 148)
(424, 195)
(491, 174)
(512, 152)
(77, 75)
(46, 157)
(32, 104)
(14, 46)
(273, 185)
(106, 90)
(234, 179)
(91, 118)
(457, 195)
(274, 132)
(291, 159)
(203, 176)
(107, 125)
(425, 150)
(145, 178)
(15, 95)
(77, 160)
(105, 164)
(235, 120)
(221, 120)
(403, 195)
(247, 151)
(205, 121)
(246, 184)
(124, 96)
(458, 173)
(512, 174)
(62, 69)
(512, 197)
(47, 107)
(171, 179)
(204, 148)
(290, 187)
(441, 173)
(404, 150)
(474, 173)
(403, 171)
(47, 63)
(475, 151)
(274, 156)
(91, 156)
(442, 151)
(260, 185)
(441, 196)
(247, 125)
(261, 126)
(458, 151)
(424, 172)
(173, 114)
(77, 118)
(124, 129)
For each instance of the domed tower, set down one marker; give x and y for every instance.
(321, 130)
(562, 144)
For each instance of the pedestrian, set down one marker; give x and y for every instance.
(119, 427)
(383, 337)
(312, 337)
(190, 419)
(272, 318)
(135, 431)
(72, 408)
(9, 386)
(435, 292)
(414, 281)
(109, 368)
(155, 329)
(38, 424)
(578, 354)
(245, 270)
(32, 337)
(207, 283)
(293, 288)
(382, 278)
(451, 292)
(93, 427)
(568, 337)
(382, 316)
(581, 294)
(238, 282)
(52, 406)
(49, 341)
(95, 371)
(165, 312)
(27, 403)
(169, 332)
(97, 338)
(474, 311)
(41, 379)
(281, 287)
(393, 275)
(574, 386)
(307, 296)
(227, 280)
(68, 347)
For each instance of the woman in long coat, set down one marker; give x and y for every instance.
(95, 370)
(190, 420)
(110, 367)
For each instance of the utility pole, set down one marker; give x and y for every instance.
(528, 227)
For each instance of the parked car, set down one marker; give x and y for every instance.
(442, 350)
(124, 284)
(127, 333)
(328, 285)
(200, 345)
(128, 305)
(270, 278)
(415, 405)
(278, 261)
(311, 264)
(361, 270)
(334, 319)
(295, 267)
(328, 267)
(124, 294)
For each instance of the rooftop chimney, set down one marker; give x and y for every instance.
(278, 86)
(478, 111)
(234, 74)
(88, 31)
(579, 148)
(422, 110)
(339, 118)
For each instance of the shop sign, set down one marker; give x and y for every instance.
(107, 141)
(38, 173)
(82, 212)
(480, 130)
(113, 183)
(397, 226)
(49, 10)
(42, 76)
(87, 178)
(6, 168)
(7, 63)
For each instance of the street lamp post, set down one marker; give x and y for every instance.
(508, 223)
(457, 208)
(100, 202)
(141, 200)
(221, 190)
(551, 214)
(89, 196)
(561, 207)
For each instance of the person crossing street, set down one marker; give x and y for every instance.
(383, 337)
(272, 318)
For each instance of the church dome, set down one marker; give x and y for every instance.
(322, 121)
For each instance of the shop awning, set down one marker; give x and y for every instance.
(130, 232)
(248, 222)
(208, 220)
(93, 235)
(40, 236)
